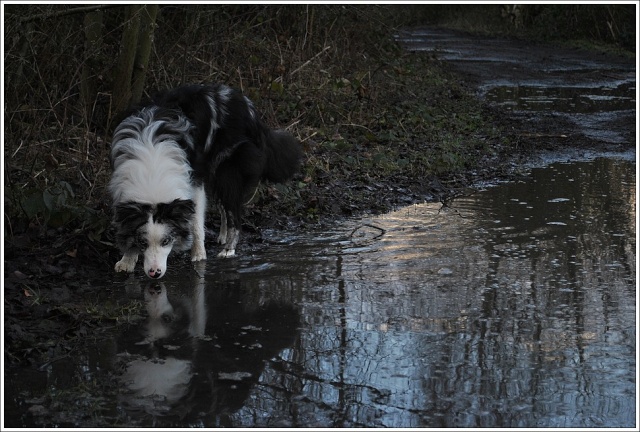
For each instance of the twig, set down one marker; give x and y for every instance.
(45, 365)
(356, 125)
(85, 178)
(17, 150)
(309, 61)
(310, 136)
(446, 200)
(382, 230)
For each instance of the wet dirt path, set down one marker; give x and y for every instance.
(542, 84)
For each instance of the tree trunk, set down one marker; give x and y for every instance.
(126, 59)
(145, 43)
(92, 50)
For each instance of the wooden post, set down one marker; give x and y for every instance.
(145, 43)
(126, 59)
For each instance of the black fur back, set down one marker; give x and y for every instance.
(233, 150)
(228, 128)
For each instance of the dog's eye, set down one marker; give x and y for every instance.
(142, 243)
(166, 241)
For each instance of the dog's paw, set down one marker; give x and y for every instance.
(227, 253)
(126, 265)
(198, 254)
(222, 238)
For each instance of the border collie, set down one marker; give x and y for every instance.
(169, 156)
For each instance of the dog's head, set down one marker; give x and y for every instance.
(154, 231)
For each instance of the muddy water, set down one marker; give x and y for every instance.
(512, 307)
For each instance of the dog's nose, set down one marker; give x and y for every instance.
(155, 273)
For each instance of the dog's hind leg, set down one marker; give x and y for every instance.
(232, 235)
(229, 189)
(198, 251)
(222, 237)
(127, 263)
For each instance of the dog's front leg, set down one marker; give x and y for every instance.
(127, 263)
(198, 251)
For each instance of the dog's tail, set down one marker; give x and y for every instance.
(284, 155)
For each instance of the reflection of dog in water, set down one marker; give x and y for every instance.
(187, 363)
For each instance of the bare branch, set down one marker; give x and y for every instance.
(309, 61)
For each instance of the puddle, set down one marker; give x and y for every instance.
(513, 307)
(593, 109)
(564, 99)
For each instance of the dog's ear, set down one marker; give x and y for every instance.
(131, 213)
(178, 211)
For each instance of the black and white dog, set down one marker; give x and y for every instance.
(168, 156)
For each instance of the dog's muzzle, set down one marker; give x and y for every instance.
(155, 273)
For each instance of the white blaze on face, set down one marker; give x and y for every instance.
(167, 381)
(158, 307)
(159, 244)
